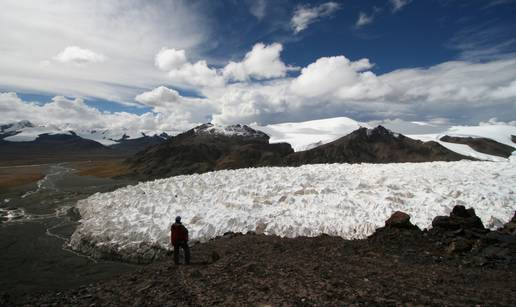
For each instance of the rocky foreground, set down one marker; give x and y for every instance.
(457, 262)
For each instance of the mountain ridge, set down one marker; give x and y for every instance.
(199, 151)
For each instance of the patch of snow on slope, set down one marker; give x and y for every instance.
(310, 134)
(500, 133)
(462, 149)
(347, 200)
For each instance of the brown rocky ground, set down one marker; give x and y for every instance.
(13, 176)
(398, 265)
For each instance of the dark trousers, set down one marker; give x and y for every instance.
(186, 249)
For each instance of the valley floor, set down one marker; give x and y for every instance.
(388, 268)
(14, 174)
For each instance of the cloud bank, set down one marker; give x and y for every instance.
(330, 86)
(101, 49)
(79, 50)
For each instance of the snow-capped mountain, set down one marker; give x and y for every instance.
(25, 131)
(25, 142)
(242, 131)
(307, 135)
(206, 148)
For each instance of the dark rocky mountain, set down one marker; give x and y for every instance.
(207, 148)
(513, 138)
(483, 145)
(126, 146)
(378, 145)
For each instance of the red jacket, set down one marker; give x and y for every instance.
(178, 233)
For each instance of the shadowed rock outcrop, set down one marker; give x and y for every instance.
(206, 148)
(463, 233)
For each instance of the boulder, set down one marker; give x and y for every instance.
(460, 218)
(399, 220)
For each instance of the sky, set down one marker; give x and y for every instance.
(171, 65)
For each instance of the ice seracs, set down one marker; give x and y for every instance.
(347, 200)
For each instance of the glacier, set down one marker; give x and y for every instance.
(347, 200)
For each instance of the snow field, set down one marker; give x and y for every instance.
(307, 135)
(347, 200)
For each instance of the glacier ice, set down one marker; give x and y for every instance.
(347, 200)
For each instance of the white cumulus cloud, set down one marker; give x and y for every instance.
(170, 104)
(78, 55)
(197, 74)
(262, 62)
(341, 78)
(183, 73)
(168, 59)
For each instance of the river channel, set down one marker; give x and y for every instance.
(35, 226)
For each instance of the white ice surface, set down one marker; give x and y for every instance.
(347, 200)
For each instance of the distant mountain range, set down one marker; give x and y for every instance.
(24, 142)
(211, 147)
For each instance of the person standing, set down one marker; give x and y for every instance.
(179, 239)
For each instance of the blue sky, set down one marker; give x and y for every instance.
(167, 62)
(422, 33)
